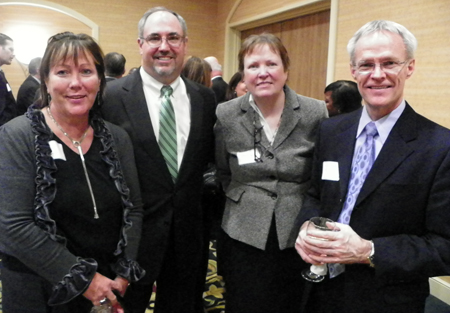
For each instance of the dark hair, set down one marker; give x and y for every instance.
(232, 84)
(274, 43)
(198, 70)
(67, 45)
(132, 70)
(345, 95)
(34, 65)
(114, 64)
(3, 39)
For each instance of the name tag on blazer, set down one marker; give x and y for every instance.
(247, 157)
(57, 150)
(330, 171)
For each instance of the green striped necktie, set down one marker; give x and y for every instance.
(168, 132)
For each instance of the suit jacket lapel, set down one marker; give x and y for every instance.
(345, 144)
(248, 115)
(136, 106)
(394, 151)
(289, 119)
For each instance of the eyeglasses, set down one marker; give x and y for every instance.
(389, 67)
(155, 40)
(257, 147)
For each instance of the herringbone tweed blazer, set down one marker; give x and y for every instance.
(256, 192)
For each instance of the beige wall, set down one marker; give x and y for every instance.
(428, 90)
(117, 21)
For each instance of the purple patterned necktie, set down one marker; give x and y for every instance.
(362, 164)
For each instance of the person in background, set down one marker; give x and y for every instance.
(264, 146)
(236, 86)
(8, 106)
(197, 70)
(132, 70)
(28, 89)
(219, 86)
(71, 212)
(342, 96)
(114, 66)
(381, 172)
(171, 176)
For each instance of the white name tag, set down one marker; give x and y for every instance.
(247, 157)
(57, 150)
(330, 171)
(8, 88)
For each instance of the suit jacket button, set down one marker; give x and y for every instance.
(274, 196)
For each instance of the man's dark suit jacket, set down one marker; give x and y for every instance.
(172, 212)
(8, 106)
(219, 86)
(403, 206)
(26, 94)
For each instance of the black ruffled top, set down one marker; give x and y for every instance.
(81, 273)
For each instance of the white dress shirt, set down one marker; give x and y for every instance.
(384, 126)
(181, 106)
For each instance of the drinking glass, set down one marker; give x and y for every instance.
(317, 273)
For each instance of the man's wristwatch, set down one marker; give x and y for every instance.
(371, 257)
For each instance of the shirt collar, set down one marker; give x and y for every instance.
(384, 125)
(149, 82)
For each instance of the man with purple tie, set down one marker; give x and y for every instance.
(381, 172)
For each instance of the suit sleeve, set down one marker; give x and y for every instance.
(311, 203)
(3, 93)
(221, 153)
(408, 257)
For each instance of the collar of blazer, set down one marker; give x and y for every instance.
(289, 118)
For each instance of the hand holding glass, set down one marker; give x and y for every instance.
(317, 273)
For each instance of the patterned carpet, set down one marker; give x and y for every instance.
(214, 287)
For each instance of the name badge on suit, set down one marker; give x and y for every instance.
(330, 170)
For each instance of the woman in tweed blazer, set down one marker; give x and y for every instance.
(264, 147)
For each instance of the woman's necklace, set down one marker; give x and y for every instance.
(77, 144)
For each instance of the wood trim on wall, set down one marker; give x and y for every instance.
(300, 8)
(58, 8)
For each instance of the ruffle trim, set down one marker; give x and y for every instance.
(128, 269)
(45, 194)
(74, 283)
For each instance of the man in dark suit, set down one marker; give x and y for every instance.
(172, 244)
(8, 107)
(394, 230)
(114, 66)
(27, 90)
(219, 86)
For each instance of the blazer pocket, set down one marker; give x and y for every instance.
(235, 194)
